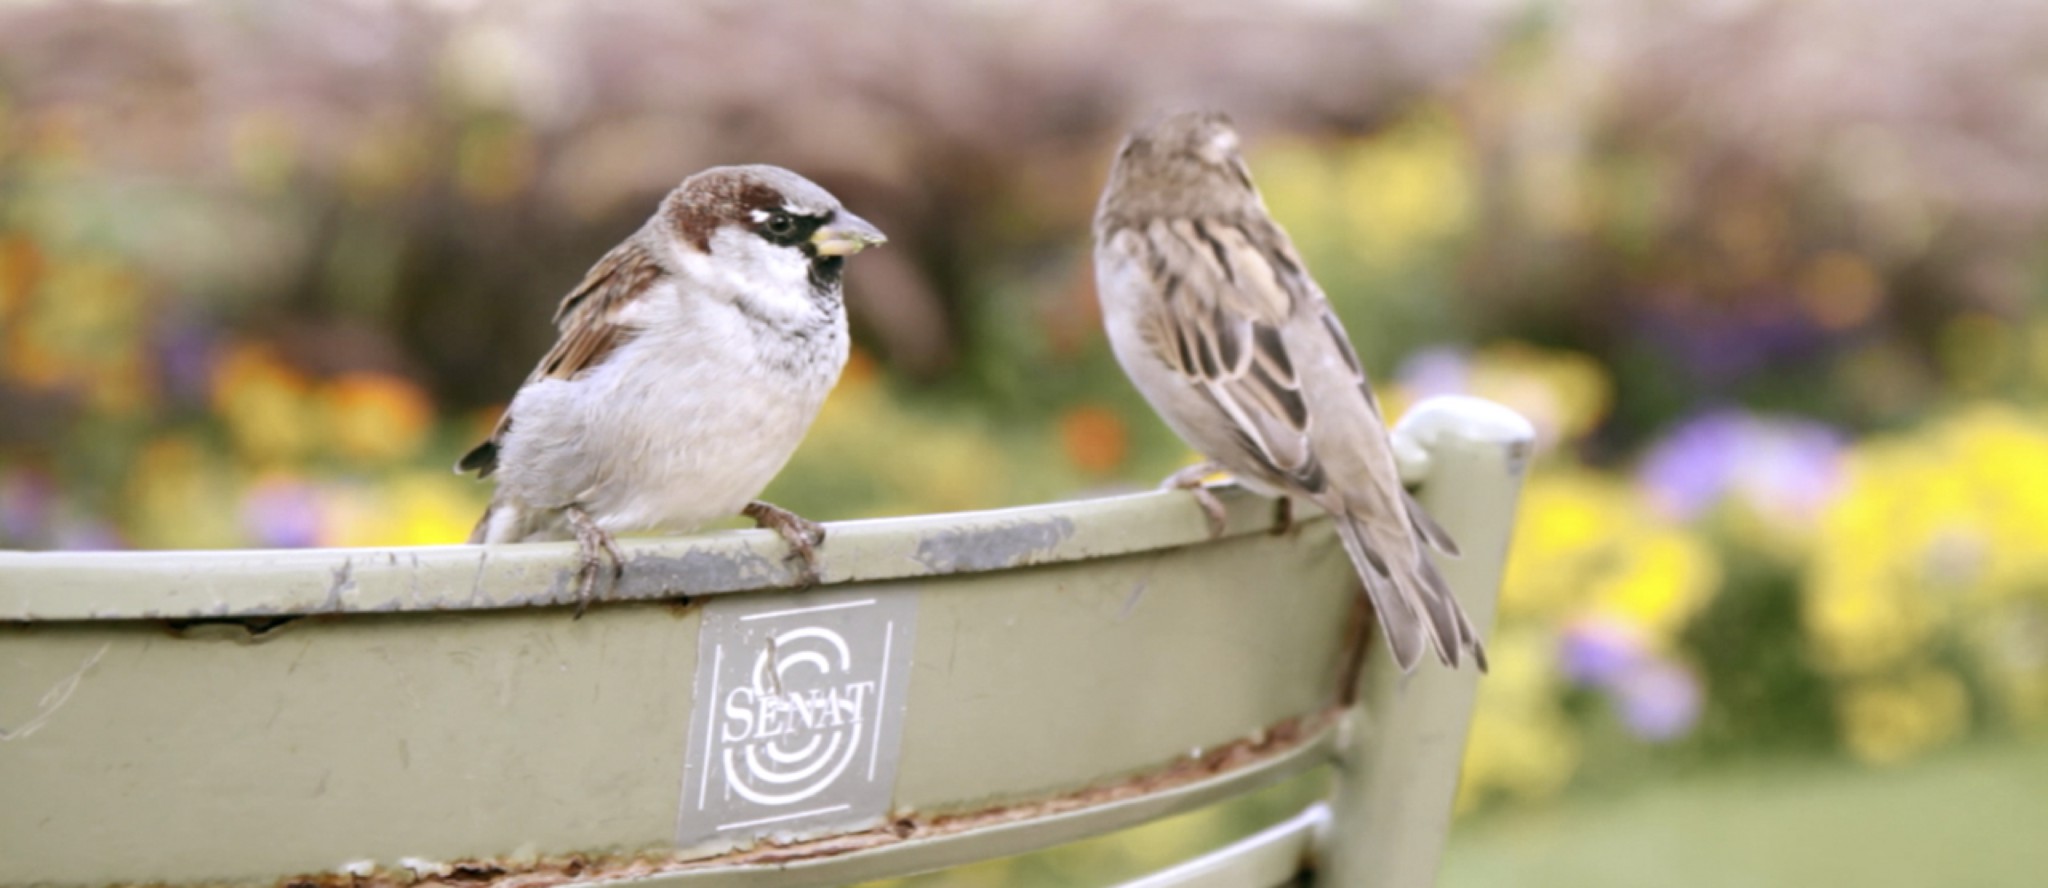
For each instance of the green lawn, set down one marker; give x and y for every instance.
(1970, 818)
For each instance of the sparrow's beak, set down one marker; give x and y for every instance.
(848, 234)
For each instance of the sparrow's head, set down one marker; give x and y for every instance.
(766, 222)
(1181, 164)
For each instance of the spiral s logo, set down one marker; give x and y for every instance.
(798, 712)
(786, 745)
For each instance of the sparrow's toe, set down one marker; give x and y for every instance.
(803, 535)
(594, 546)
(586, 584)
(1190, 479)
(1212, 509)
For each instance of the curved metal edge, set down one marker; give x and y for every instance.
(1272, 856)
(1459, 421)
(1003, 839)
(232, 584)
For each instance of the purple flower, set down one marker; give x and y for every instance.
(26, 497)
(1436, 371)
(87, 535)
(1658, 701)
(186, 353)
(1720, 347)
(282, 514)
(1598, 652)
(1783, 467)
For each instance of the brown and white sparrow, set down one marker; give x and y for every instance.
(1215, 319)
(691, 362)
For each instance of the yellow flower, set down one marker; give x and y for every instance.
(1660, 583)
(416, 509)
(1564, 393)
(1934, 547)
(1388, 199)
(179, 497)
(376, 418)
(1407, 190)
(434, 508)
(1892, 720)
(79, 328)
(1862, 625)
(265, 404)
(1522, 745)
(1586, 543)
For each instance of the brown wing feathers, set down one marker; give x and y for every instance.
(589, 332)
(1221, 329)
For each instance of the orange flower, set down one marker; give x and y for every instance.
(1094, 438)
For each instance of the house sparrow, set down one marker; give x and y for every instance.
(1214, 318)
(692, 359)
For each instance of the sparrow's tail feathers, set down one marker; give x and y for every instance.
(481, 533)
(1430, 531)
(481, 459)
(1414, 605)
(509, 522)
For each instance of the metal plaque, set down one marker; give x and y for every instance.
(798, 713)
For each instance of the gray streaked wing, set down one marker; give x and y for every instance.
(1221, 302)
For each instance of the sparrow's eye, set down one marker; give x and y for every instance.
(780, 224)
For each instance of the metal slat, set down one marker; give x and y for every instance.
(1034, 834)
(1392, 812)
(1272, 856)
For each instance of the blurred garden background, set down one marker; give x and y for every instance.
(1768, 274)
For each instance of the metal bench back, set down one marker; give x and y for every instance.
(959, 688)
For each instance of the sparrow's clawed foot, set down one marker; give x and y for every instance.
(592, 540)
(803, 535)
(1190, 480)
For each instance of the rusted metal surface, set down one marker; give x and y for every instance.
(1288, 736)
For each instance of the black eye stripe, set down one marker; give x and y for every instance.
(798, 232)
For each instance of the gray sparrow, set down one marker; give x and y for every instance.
(1216, 321)
(690, 363)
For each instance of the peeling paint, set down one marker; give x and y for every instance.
(695, 572)
(903, 827)
(344, 583)
(476, 581)
(54, 698)
(993, 547)
(1518, 456)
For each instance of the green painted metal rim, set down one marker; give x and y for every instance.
(258, 583)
